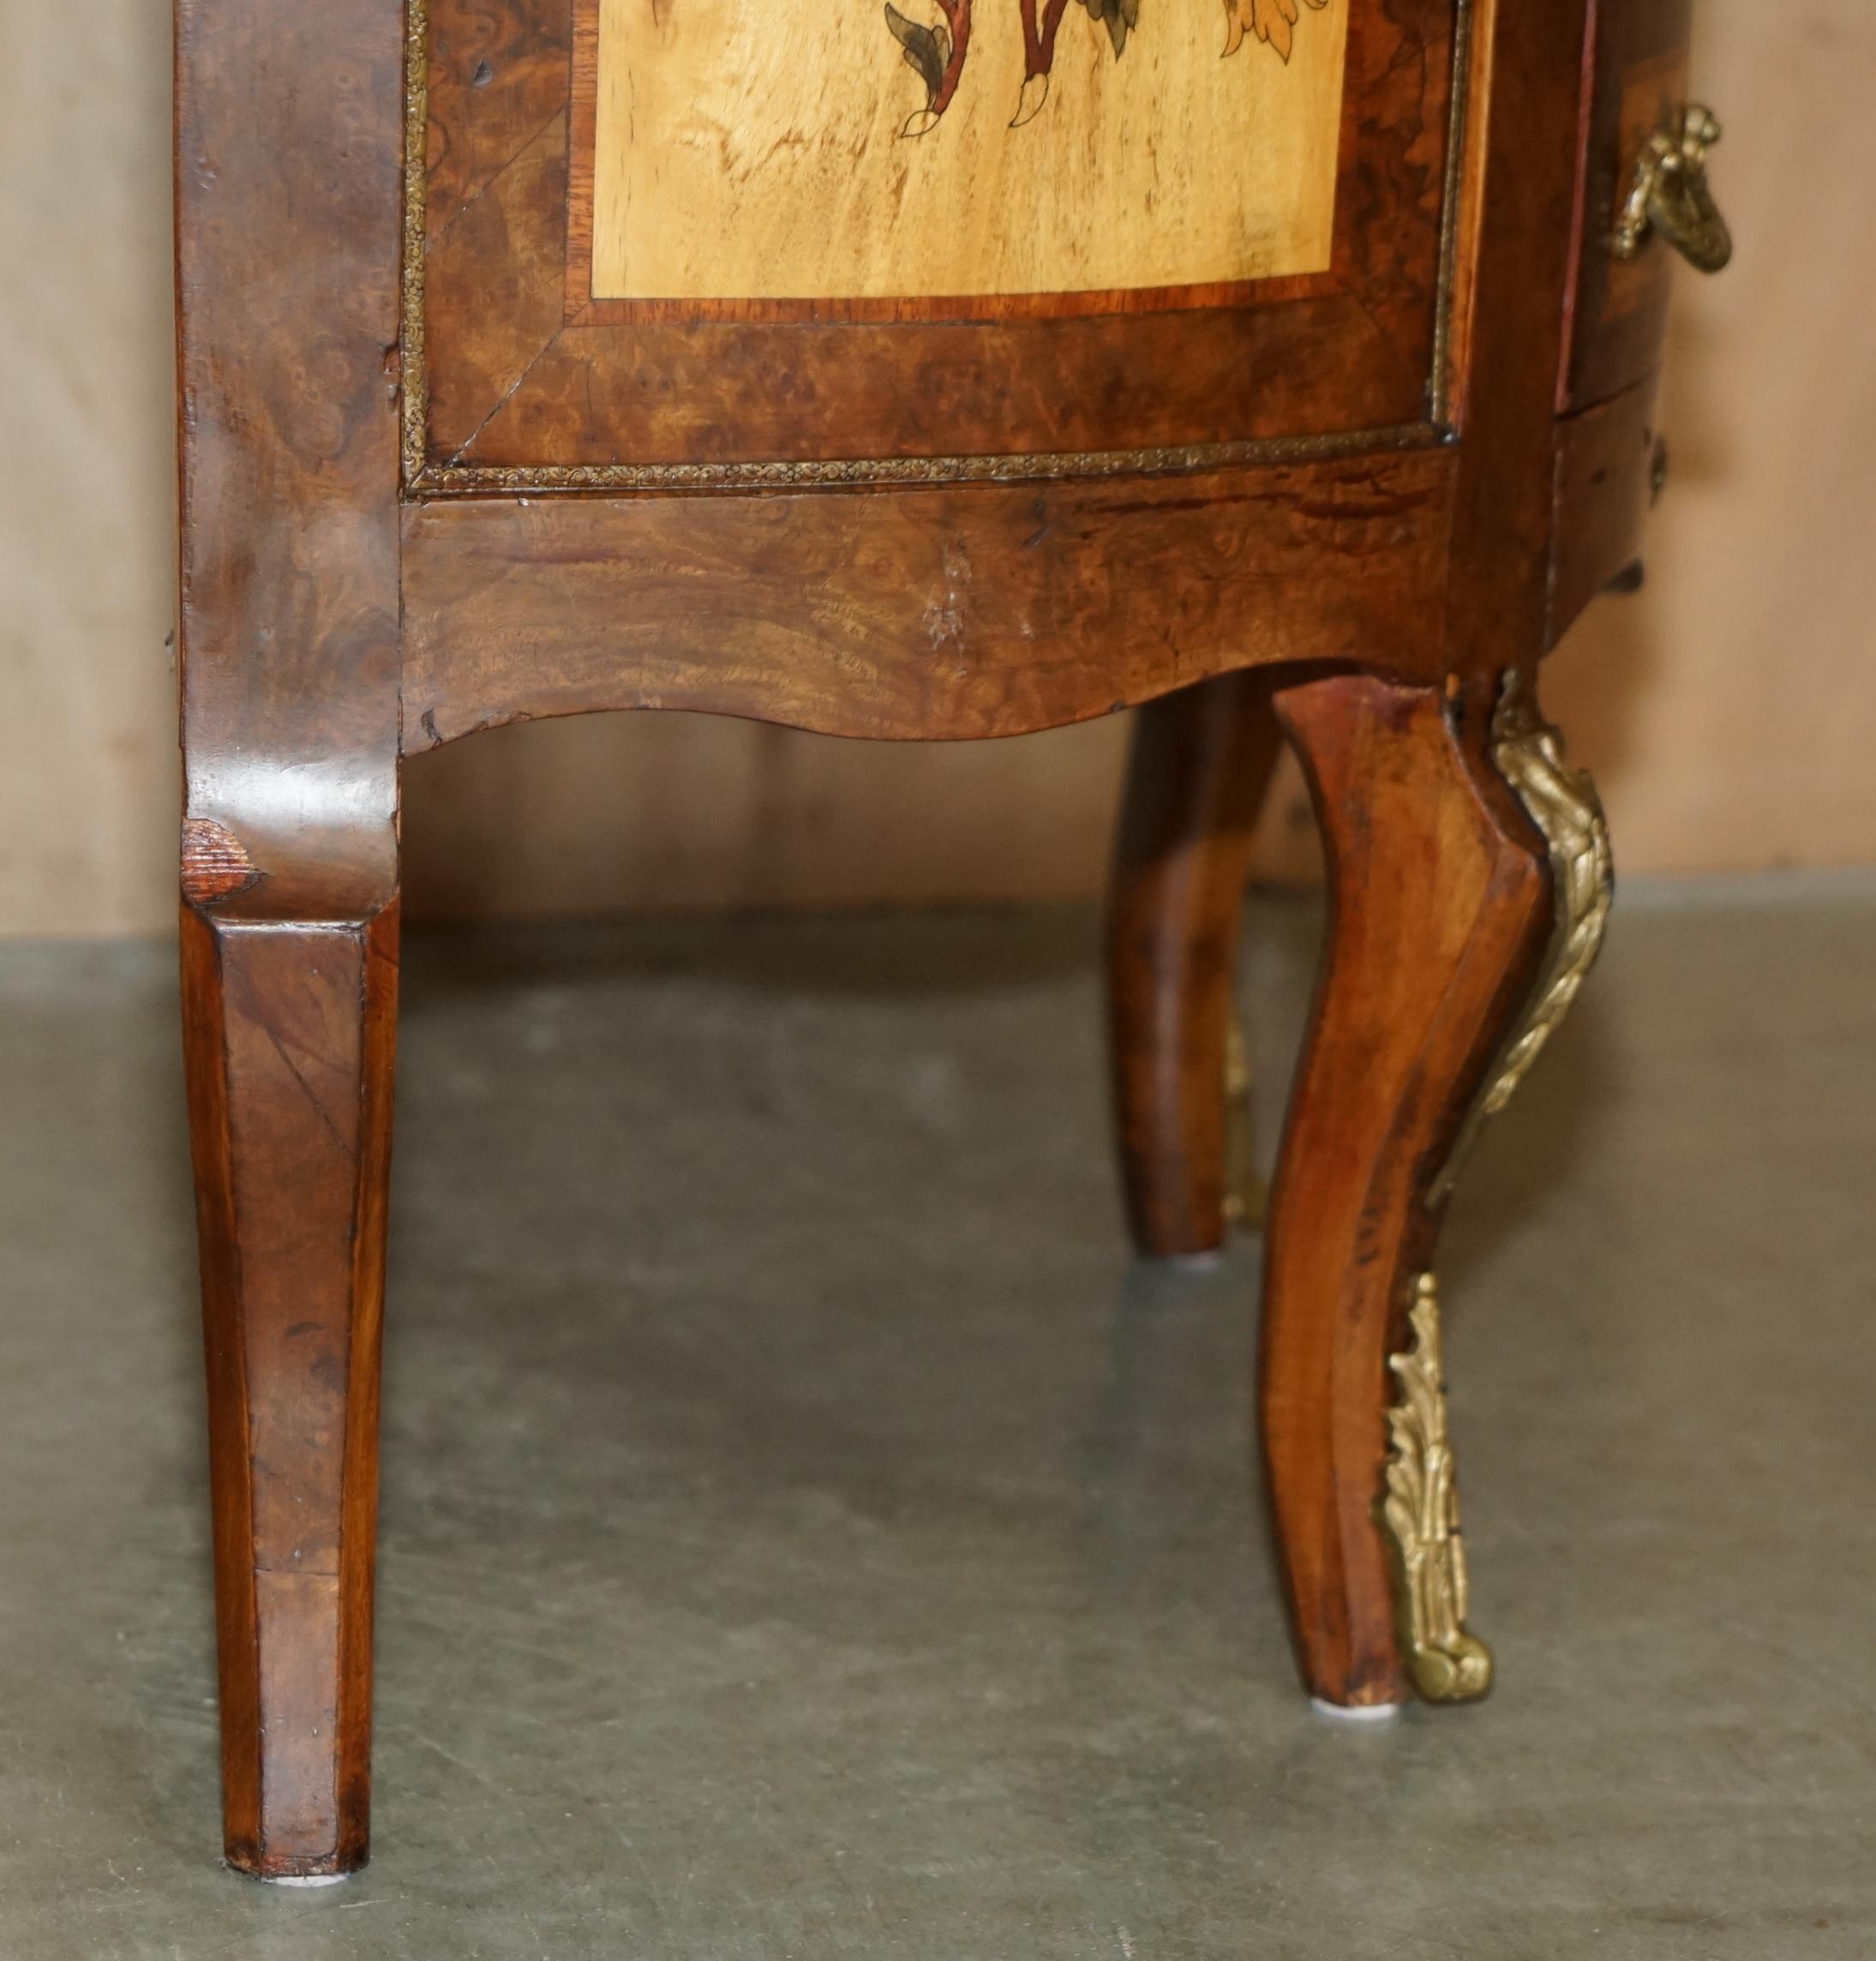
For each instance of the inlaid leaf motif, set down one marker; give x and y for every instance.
(935, 54)
(1041, 20)
(926, 49)
(936, 51)
(1119, 17)
(1271, 20)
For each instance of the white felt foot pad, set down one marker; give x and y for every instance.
(1355, 1712)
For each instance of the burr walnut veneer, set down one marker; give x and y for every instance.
(942, 370)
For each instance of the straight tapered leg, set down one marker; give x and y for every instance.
(288, 1030)
(1448, 880)
(291, 130)
(1196, 777)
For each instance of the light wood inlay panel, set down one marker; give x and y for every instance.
(753, 149)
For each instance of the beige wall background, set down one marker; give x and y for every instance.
(1728, 711)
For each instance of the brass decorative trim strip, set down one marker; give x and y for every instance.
(1451, 193)
(413, 364)
(1562, 803)
(1421, 1516)
(423, 478)
(846, 474)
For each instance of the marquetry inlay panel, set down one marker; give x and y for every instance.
(735, 244)
(838, 149)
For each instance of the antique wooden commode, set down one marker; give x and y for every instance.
(942, 368)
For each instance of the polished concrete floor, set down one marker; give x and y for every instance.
(806, 1533)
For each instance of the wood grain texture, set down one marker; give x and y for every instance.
(1197, 774)
(288, 1032)
(1638, 69)
(1512, 332)
(518, 218)
(949, 613)
(748, 151)
(1710, 755)
(288, 335)
(733, 392)
(1440, 907)
(1606, 459)
(1349, 351)
(327, 628)
(497, 79)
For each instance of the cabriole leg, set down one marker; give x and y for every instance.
(1469, 881)
(1196, 777)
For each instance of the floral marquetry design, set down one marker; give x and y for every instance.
(860, 150)
(936, 50)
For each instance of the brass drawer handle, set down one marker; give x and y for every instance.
(1669, 195)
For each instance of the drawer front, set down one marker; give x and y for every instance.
(1610, 463)
(1639, 82)
(703, 242)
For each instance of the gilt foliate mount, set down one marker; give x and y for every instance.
(936, 50)
(1420, 1517)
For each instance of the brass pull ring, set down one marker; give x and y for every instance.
(1669, 195)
